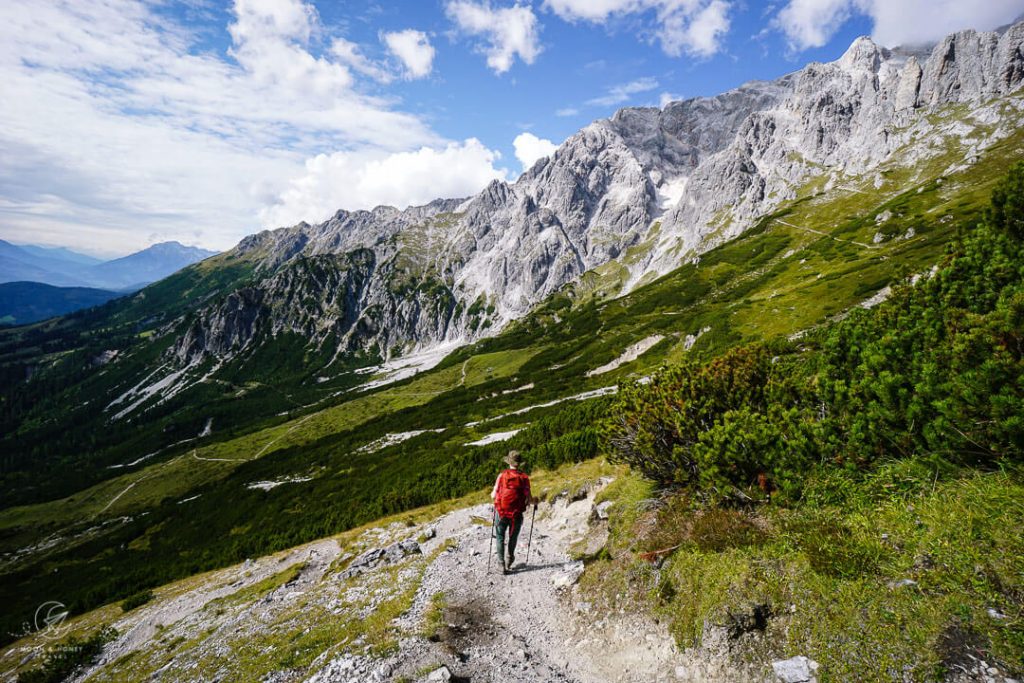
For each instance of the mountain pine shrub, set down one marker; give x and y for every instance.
(937, 370)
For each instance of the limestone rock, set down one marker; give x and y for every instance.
(796, 670)
(441, 674)
(569, 575)
(668, 182)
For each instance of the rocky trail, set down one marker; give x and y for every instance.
(398, 602)
(532, 625)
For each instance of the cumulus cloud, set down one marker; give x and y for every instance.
(667, 97)
(269, 41)
(529, 148)
(115, 117)
(693, 27)
(812, 23)
(365, 179)
(698, 34)
(622, 92)
(508, 32)
(413, 49)
(348, 53)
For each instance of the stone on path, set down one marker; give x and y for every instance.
(442, 674)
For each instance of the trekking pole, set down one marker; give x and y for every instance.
(490, 550)
(529, 542)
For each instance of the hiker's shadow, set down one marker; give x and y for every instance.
(536, 567)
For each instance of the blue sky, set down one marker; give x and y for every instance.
(127, 122)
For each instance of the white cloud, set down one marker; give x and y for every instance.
(529, 148)
(270, 38)
(414, 50)
(508, 31)
(697, 34)
(667, 97)
(618, 94)
(348, 53)
(693, 27)
(117, 127)
(363, 180)
(567, 111)
(812, 23)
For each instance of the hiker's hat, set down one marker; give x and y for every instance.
(513, 459)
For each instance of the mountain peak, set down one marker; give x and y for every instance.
(863, 53)
(176, 247)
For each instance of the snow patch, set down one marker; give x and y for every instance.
(394, 438)
(165, 386)
(879, 296)
(691, 339)
(267, 485)
(495, 437)
(404, 367)
(632, 352)
(668, 194)
(135, 462)
(586, 395)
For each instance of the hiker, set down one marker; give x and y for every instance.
(511, 496)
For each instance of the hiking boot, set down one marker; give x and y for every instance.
(504, 569)
(511, 559)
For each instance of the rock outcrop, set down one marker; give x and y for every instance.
(662, 184)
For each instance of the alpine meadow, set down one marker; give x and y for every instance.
(759, 354)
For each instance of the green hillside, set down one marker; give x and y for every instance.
(187, 507)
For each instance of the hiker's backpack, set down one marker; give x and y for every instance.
(513, 493)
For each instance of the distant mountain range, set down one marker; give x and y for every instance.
(658, 236)
(29, 302)
(37, 283)
(62, 267)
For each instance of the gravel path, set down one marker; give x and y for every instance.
(532, 625)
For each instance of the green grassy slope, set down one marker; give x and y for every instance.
(851, 497)
(189, 507)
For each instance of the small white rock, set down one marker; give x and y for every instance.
(442, 674)
(798, 669)
(568, 576)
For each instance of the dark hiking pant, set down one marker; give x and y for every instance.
(512, 527)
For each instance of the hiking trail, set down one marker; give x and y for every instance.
(400, 602)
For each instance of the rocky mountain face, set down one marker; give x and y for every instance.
(648, 188)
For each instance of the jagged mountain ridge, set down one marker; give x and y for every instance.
(647, 189)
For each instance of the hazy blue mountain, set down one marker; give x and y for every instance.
(149, 265)
(62, 267)
(27, 302)
(18, 264)
(61, 254)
